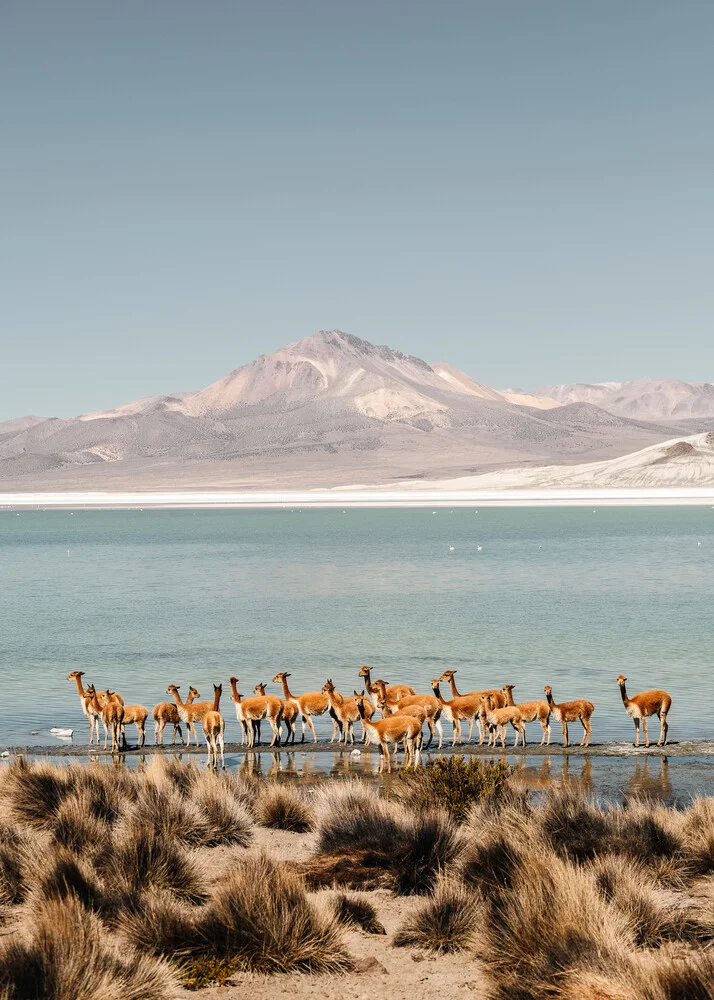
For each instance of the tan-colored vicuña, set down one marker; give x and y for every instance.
(189, 711)
(530, 711)
(344, 713)
(166, 713)
(289, 714)
(464, 708)
(394, 691)
(135, 715)
(640, 706)
(85, 701)
(313, 703)
(111, 712)
(250, 711)
(571, 711)
(395, 729)
(213, 725)
(499, 718)
(427, 703)
(499, 701)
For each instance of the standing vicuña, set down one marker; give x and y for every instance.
(213, 725)
(313, 703)
(640, 706)
(393, 730)
(530, 711)
(571, 711)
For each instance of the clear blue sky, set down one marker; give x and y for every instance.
(524, 189)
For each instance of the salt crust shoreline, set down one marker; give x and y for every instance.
(360, 496)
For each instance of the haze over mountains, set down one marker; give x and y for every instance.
(332, 409)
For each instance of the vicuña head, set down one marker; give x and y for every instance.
(507, 687)
(364, 671)
(621, 680)
(194, 692)
(75, 674)
(447, 675)
(548, 689)
(172, 689)
(281, 676)
(328, 687)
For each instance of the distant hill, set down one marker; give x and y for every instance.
(641, 399)
(332, 409)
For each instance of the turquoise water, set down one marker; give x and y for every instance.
(566, 597)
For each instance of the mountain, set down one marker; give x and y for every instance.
(640, 399)
(328, 409)
(678, 462)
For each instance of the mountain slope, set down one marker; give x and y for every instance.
(329, 408)
(675, 463)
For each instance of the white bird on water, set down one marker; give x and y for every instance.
(479, 548)
(451, 548)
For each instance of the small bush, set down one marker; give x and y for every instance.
(107, 790)
(453, 783)
(351, 910)
(444, 923)
(65, 954)
(17, 851)
(281, 807)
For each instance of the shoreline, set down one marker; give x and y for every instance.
(355, 497)
(683, 748)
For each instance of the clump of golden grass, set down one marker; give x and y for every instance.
(443, 923)
(629, 887)
(357, 830)
(282, 807)
(226, 820)
(77, 827)
(258, 919)
(139, 857)
(64, 953)
(33, 793)
(552, 921)
(354, 910)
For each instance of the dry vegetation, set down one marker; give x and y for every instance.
(127, 884)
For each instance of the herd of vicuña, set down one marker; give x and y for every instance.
(404, 713)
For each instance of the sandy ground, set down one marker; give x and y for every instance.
(393, 973)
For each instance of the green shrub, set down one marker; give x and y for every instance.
(453, 783)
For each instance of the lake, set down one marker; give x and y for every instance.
(527, 596)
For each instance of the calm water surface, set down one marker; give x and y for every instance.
(567, 597)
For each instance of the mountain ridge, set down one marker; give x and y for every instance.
(330, 406)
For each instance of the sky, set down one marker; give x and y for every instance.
(522, 189)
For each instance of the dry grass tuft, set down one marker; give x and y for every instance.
(444, 923)
(139, 858)
(161, 807)
(226, 820)
(628, 886)
(575, 827)
(34, 792)
(431, 844)
(65, 954)
(361, 871)
(552, 922)
(17, 851)
(76, 826)
(259, 918)
(351, 910)
(282, 807)
(58, 875)
(413, 849)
